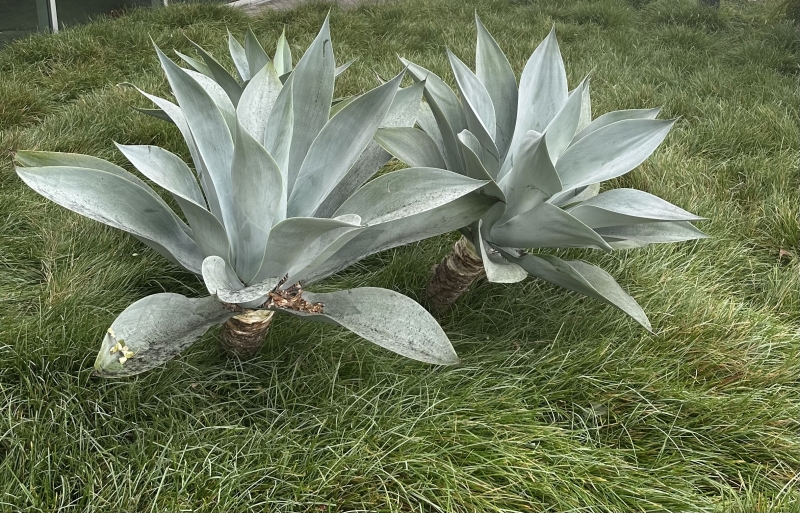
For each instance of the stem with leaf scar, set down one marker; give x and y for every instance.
(243, 335)
(454, 275)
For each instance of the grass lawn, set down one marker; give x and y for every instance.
(560, 404)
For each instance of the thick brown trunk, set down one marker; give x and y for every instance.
(242, 336)
(454, 275)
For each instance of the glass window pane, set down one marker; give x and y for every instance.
(18, 18)
(72, 12)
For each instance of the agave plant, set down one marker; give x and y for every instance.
(545, 159)
(273, 204)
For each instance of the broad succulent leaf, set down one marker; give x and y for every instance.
(614, 116)
(621, 207)
(476, 102)
(176, 116)
(195, 64)
(639, 235)
(397, 232)
(560, 131)
(239, 57)
(312, 92)
(283, 55)
(279, 129)
(498, 269)
(410, 145)
(165, 169)
(473, 166)
(494, 71)
(584, 278)
(256, 57)
(407, 192)
(611, 151)
(532, 180)
(223, 284)
(258, 100)
(260, 203)
(546, 226)
(440, 94)
(220, 75)
(155, 329)
(116, 201)
(292, 239)
(542, 88)
(170, 172)
(386, 318)
(402, 113)
(338, 146)
(209, 131)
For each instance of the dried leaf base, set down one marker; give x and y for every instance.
(454, 275)
(242, 336)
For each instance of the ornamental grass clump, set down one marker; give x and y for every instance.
(275, 202)
(545, 159)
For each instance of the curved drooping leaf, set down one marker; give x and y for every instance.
(290, 240)
(402, 113)
(117, 202)
(614, 116)
(338, 146)
(407, 192)
(546, 226)
(386, 318)
(620, 207)
(257, 101)
(494, 71)
(611, 151)
(497, 268)
(208, 129)
(260, 195)
(532, 179)
(639, 235)
(542, 89)
(378, 237)
(256, 57)
(55, 159)
(155, 329)
(585, 279)
(411, 146)
(223, 284)
(560, 131)
(312, 92)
